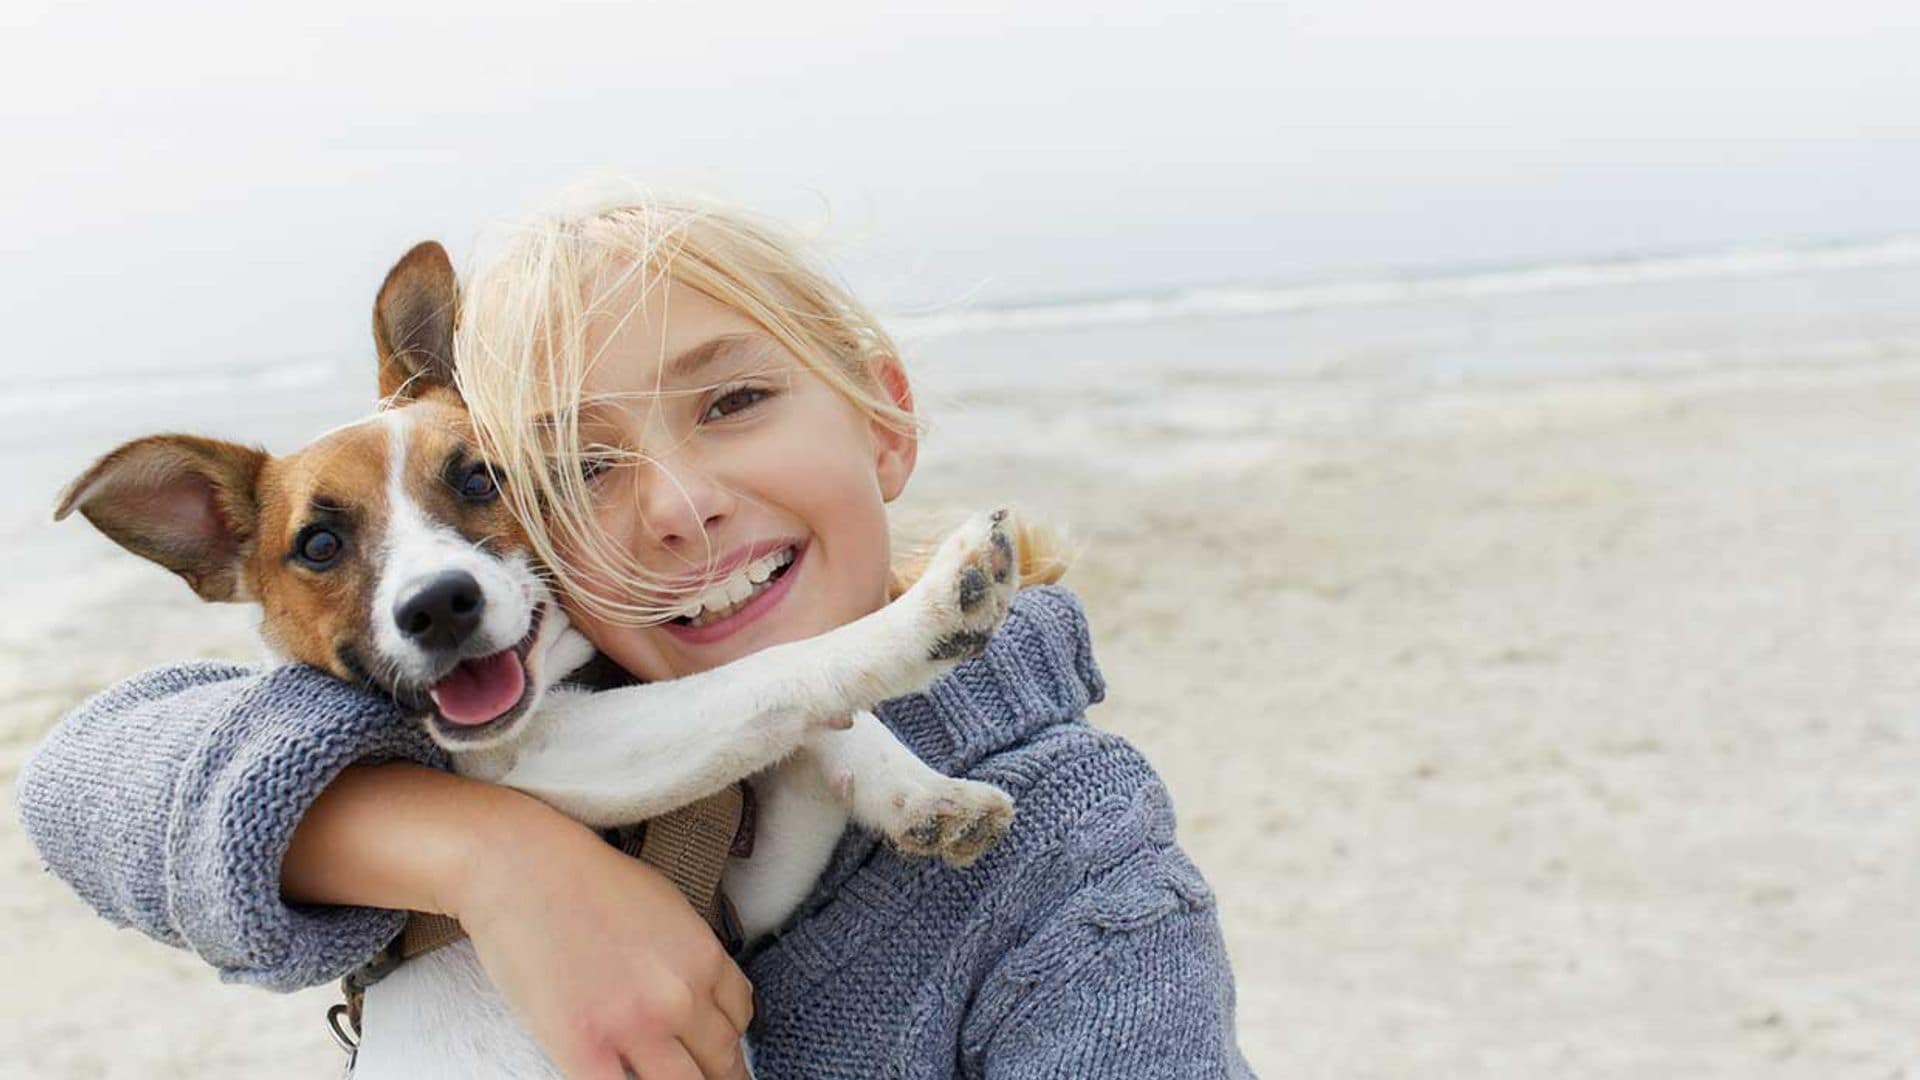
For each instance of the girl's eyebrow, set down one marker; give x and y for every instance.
(683, 366)
(692, 361)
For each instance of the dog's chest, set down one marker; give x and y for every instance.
(438, 1015)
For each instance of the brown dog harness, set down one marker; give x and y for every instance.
(690, 846)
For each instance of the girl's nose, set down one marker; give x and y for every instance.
(682, 505)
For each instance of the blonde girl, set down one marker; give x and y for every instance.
(666, 385)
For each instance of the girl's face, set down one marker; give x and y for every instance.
(749, 457)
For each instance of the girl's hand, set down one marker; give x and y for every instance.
(600, 956)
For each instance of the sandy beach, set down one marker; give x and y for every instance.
(1523, 727)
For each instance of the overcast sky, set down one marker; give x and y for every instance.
(207, 184)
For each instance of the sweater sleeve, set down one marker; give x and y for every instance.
(168, 802)
(1148, 1002)
(1126, 973)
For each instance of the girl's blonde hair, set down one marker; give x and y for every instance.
(523, 354)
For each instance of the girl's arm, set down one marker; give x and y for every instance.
(602, 958)
(169, 801)
(1122, 971)
(1139, 1002)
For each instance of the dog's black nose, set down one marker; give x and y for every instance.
(441, 612)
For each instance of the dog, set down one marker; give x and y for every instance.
(382, 553)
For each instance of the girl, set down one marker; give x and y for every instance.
(664, 386)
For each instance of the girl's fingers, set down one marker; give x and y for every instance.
(608, 1067)
(663, 1061)
(714, 1044)
(734, 995)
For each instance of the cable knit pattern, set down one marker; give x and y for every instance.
(1084, 945)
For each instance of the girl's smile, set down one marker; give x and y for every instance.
(719, 617)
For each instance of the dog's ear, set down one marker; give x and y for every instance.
(413, 321)
(187, 503)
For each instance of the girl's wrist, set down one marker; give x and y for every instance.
(503, 847)
(405, 836)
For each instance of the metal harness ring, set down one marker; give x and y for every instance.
(345, 1031)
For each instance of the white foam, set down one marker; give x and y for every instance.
(1737, 263)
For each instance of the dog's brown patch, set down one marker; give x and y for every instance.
(337, 483)
(442, 451)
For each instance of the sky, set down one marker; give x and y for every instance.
(207, 185)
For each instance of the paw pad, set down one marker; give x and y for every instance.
(973, 588)
(925, 836)
(957, 826)
(1002, 556)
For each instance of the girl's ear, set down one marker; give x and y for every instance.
(894, 450)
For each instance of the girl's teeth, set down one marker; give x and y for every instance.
(738, 588)
(725, 598)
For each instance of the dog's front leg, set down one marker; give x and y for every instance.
(625, 755)
(888, 789)
(621, 756)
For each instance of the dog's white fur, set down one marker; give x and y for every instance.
(620, 756)
(415, 548)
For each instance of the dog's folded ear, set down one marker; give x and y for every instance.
(413, 321)
(182, 501)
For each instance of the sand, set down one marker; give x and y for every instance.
(1522, 729)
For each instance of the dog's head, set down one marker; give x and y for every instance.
(381, 552)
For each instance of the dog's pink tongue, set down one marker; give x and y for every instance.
(480, 690)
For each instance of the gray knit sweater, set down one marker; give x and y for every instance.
(1085, 945)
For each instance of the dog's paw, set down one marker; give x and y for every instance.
(954, 820)
(969, 585)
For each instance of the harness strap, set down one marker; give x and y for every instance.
(426, 931)
(691, 846)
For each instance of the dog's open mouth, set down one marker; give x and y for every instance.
(480, 691)
(483, 692)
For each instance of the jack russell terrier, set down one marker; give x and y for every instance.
(383, 554)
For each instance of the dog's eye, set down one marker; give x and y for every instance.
(317, 546)
(477, 485)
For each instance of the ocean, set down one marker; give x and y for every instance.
(1104, 376)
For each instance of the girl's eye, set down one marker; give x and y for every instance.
(737, 400)
(595, 466)
(477, 485)
(317, 546)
